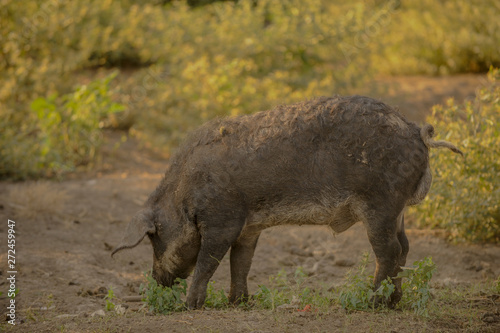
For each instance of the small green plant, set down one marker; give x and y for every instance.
(216, 299)
(110, 306)
(271, 298)
(70, 126)
(358, 293)
(290, 291)
(60, 134)
(416, 292)
(164, 300)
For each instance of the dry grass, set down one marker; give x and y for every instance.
(41, 199)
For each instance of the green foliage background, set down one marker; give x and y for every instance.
(465, 196)
(181, 63)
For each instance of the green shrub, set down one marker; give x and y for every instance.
(228, 62)
(186, 65)
(164, 300)
(216, 299)
(284, 290)
(438, 37)
(358, 293)
(276, 295)
(465, 197)
(416, 291)
(60, 133)
(221, 59)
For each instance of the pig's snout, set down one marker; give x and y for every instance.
(163, 277)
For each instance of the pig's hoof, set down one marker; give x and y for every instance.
(379, 301)
(237, 300)
(194, 303)
(394, 299)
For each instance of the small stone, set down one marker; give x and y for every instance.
(44, 308)
(120, 310)
(344, 263)
(67, 315)
(303, 253)
(101, 291)
(99, 313)
(318, 254)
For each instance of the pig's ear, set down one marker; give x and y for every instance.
(141, 225)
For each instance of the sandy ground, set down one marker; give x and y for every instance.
(65, 232)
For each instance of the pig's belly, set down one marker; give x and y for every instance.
(339, 218)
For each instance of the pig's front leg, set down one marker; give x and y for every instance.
(215, 242)
(241, 260)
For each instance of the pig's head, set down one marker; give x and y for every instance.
(175, 242)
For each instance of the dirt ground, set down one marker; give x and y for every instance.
(65, 232)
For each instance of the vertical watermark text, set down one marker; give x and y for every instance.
(11, 271)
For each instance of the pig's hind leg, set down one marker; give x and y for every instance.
(390, 245)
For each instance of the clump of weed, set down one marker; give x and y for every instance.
(164, 300)
(291, 292)
(416, 291)
(271, 298)
(216, 299)
(358, 293)
(110, 305)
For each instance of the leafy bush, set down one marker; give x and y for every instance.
(216, 299)
(164, 300)
(220, 59)
(290, 293)
(231, 62)
(186, 64)
(416, 292)
(358, 293)
(438, 37)
(465, 196)
(283, 291)
(60, 133)
(271, 298)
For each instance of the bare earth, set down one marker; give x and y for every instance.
(65, 232)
